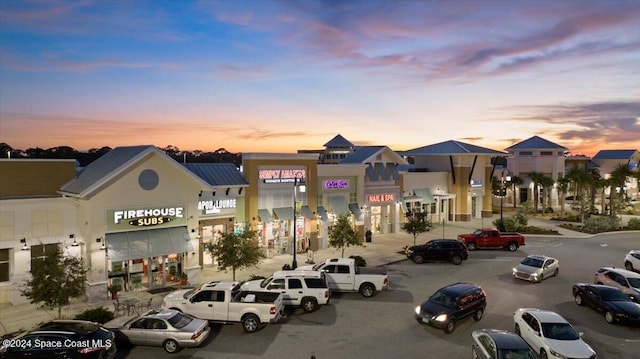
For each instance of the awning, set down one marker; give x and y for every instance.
(393, 170)
(284, 213)
(307, 212)
(265, 215)
(381, 171)
(148, 243)
(322, 213)
(339, 205)
(371, 173)
(425, 193)
(404, 207)
(355, 209)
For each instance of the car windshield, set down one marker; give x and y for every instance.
(318, 266)
(265, 282)
(559, 331)
(443, 299)
(477, 233)
(615, 296)
(180, 320)
(190, 292)
(634, 282)
(532, 262)
(515, 354)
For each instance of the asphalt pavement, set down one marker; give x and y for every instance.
(383, 249)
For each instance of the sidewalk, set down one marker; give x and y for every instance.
(383, 249)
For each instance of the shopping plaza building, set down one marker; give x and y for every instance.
(139, 218)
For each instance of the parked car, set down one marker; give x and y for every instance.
(450, 304)
(625, 280)
(536, 268)
(224, 302)
(343, 275)
(72, 339)
(550, 335)
(632, 260)
(167, 328)
(616, 305)
(448, 250)
(305, 289)
(492, 238)
(499, 344)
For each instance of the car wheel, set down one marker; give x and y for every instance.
(517, 330)
(609, 317)
(541, 278)
(543, 354)
(555, 272)
(250, 323)
(478, 315)
(451, 326)
(628, 265)
(579, 300)
(513, 246)
(171, 346)
(367, 290)
(457, 260)
(418, 259)
(471, 246)
(309, 304)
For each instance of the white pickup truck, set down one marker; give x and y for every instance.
(224, 302)
(343, 275)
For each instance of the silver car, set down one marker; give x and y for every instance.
(536, 268)
(168, 328)
(627, 281)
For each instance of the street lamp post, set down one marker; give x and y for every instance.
(503, 191)
(294, 263)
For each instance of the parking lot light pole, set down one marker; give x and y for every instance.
(503, 190)
(294, 263)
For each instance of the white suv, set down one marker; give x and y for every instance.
(627, 281)
(632, 260)
(305, 289)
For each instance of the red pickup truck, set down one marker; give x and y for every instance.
(492, 238)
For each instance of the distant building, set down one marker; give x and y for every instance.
(608, 160)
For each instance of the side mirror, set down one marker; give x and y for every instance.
(580, 334)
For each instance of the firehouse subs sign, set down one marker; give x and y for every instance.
(122, 219)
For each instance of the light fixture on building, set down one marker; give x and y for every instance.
(75, 243)
(102, 247)
(227, 192)
(25, 247)
(240, 191)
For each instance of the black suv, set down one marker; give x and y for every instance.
(450, 304)
(62, 339)
(450, 250)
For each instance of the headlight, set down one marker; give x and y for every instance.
(514, 270)
(441, 318)
(535, 275)
(417, 310)
(556, 354)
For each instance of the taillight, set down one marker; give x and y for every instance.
(386, 281)
(197, 334)
(272, 310)
(326, 294)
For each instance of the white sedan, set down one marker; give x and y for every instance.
(550, 334)
(536, 268)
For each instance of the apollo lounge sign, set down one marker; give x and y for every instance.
(119, 219)
(216, 206)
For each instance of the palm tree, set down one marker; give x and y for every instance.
(536, 178)
(579, 178)
(563, 187)
(618, 178)
(546, 183)
(515, 182)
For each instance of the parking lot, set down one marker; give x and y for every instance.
(384, 326)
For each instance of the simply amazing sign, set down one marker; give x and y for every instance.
(149, 218)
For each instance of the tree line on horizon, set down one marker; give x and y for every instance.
(220, 155)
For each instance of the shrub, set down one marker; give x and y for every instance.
(513, 223)
(634, 223)
(601, 224)
(360, 262)
(100, 315)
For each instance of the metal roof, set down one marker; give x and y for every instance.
(535, 142)
(361, 154)
(614, 154)
(217, 174)
(451, 147)
(338, 141)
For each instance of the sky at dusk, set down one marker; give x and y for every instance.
(278, 76)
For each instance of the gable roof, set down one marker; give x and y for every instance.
(451, 147)
(535, 142)
(364, 153)
(111, 165)
(218, 174)
(614, 155)
(338, 141)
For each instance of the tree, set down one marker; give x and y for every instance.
(55, 279)
(563, 187)
(536, 178)
(342, 234)
(546, 183)
(515, 182)
(236, 251)
(416, 224)
(617, 181)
